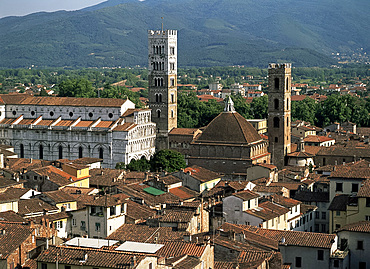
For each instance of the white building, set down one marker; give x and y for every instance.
(53, 128)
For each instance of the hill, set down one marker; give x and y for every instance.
(218, 32)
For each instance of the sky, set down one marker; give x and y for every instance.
(24, 7)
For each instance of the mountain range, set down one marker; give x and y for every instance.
(210, 32)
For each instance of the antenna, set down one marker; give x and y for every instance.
(162, 23)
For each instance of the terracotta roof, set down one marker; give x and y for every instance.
(202, 174)
(268, 210)
(183, 131)
(246, 195)
(176, 216)
(84, 123)
(317, 138)
(343, 151)
(229, 128)
(183, 193)
(30, 264)
(269, 166)
(170, 179)
(34, 206)
(184, 262)
(358, 170)
(360, 227)
(268, 189)
(295, 238)
(224, 265)
(125, 127)
(143, 233)
(104, 124)
(51, 217)
(364, 190)
(59, 196)
(130, 112)
(104, 177)
(12, 194)
(309, 149)
(284, 201)
(300, 154)
(55, 175)
(60, 101)
(108, 200)
(139, 212)
(95, 257)
(13, 235)
(178, 248)
(18, 164)
(288, 185)
(11, 216)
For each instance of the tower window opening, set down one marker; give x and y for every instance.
(276, 139)
(101, 153)
(276, 83)
(158, 113)
(287, 84)
(21, 150)
(276, 103)
(160, 98)
(41, 152)
(60, 152)
(80, 152)
(276, 122)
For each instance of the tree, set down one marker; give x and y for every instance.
(259, 107)
(76, 88)
(305, 110)
(141, 165)
(167, 160)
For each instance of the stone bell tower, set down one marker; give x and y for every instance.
(162, 45)
(279, 115)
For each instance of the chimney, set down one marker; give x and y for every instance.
(133, 262)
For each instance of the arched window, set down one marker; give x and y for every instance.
(276, 83)
(156, 98)
(276, 139)
(101, 153)
(158, 113)
(60, 152)
(276, 122)
(80, 152)
(172, 113)
(21, 147)
(160, 98)
(41, 152)
(287, 84)
(276, 103)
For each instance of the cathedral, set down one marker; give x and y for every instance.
(53, 128)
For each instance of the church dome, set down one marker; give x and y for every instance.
(229, 127)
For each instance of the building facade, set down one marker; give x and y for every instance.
(279, 116)
(162, 80)
(53, 128)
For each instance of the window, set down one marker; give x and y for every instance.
(276, 122)
(339, 186)
(83, 225)
(320, 255)
(158, 113)
(343, 244)
(276, 103)
(172, 113)
(367, 202)
(354, 187)
(276, 139)
(298, 261)
(74, 223)
(172, 66)
(338, 213)
(101, 153)
(323, 215)
(67, 267)
(362, 265)
(97, 226)
(60, 152)
(51, 113)
(172, 98)
(21, 147)
(71, 114)
(336, 263)
(360, 244)
(112, 210)
(276, 80)
(172, 82)
(41, 152)
(110, 115)
(80, 152)
(172, 50)
(323, 228)
(44, 266)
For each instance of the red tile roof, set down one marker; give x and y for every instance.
(246, 195)
(202, 174)
(13, 235)
(360, 227)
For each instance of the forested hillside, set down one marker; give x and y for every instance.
(224, 32)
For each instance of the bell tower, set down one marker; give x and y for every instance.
(279, 115)
(162, 45)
